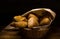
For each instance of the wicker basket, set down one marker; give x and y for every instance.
(40, 31)
(36, 32)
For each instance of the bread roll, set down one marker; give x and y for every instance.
(32, 15)
(21, 24)
(32, 21)
(19, 18)
(44, 21)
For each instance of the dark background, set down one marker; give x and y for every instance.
(10, 8)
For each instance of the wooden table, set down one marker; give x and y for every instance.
(6, 34)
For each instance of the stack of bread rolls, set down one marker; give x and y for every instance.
(30, 21)
(35, 23)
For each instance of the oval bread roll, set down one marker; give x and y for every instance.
(32, 15)
(20, 18)
(21, 24)
(33, 21)
(44, 21)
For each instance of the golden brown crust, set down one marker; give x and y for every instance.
(32, 21)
